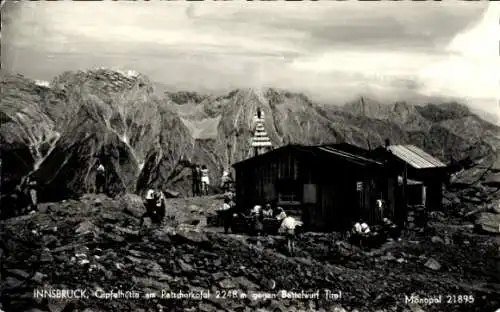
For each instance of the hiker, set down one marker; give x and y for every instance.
(229, 195)
(226, 181)
(268, 211)
(255, 210)
(226, 214)
(391, 229)
(100, 180)
(360, 231)
(198, 181)
(258, 225)
(160, 207)
(205, 181)
(289, 227)
(380, 204)
(149, 203)
(196, 177)
(31, 191)
(280, 214)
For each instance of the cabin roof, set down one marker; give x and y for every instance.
(327, 150)
(415, 157)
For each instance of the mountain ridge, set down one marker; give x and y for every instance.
(150, 141)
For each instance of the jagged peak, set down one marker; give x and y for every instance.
(128, 73)
(104, 79)
(265, 93)
(184, 97)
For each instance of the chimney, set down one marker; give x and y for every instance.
(387, 143)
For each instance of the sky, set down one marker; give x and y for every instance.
(333, 51)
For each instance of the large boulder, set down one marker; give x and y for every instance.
(488, 222)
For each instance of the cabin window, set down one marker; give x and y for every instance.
(359, 186)
(310, 193)
(289, 191)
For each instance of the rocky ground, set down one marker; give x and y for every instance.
(96, 244)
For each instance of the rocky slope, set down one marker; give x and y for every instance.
(95, 244)
(91, 115)
(58, 132)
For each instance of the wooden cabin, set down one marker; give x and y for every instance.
(421, 176)
(330, 188)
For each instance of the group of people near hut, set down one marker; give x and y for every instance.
(259, 217)
(288, 226)
(362, 234)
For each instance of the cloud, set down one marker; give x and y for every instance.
(331, 50)
(471, 69)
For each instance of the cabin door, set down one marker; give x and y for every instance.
(324, 218)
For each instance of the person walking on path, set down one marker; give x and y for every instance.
(289, 227)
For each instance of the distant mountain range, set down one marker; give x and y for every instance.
(149, 138)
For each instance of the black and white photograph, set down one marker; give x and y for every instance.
(239, 156)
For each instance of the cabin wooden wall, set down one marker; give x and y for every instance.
(392, 185)
(336, 205)
(339, 202)
(257, 181)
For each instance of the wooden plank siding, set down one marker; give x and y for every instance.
(336, 204)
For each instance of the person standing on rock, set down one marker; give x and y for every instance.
(268, 211)
(160, 207)
(31, 188)
(100, 180)
(380, 204)
(149, 204)
(199, 183)
(205, 181)
(226, 181)
(289, 227)
(195, 176)
(226, 213)
(258, 221)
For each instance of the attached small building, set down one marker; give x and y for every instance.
(420, 175)
(329, 186)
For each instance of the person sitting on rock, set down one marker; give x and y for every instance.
(256, 210)
(391, 229)
(360, 231)
(288, 227)
(268, 211)
(365, 229)
(356, 229)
